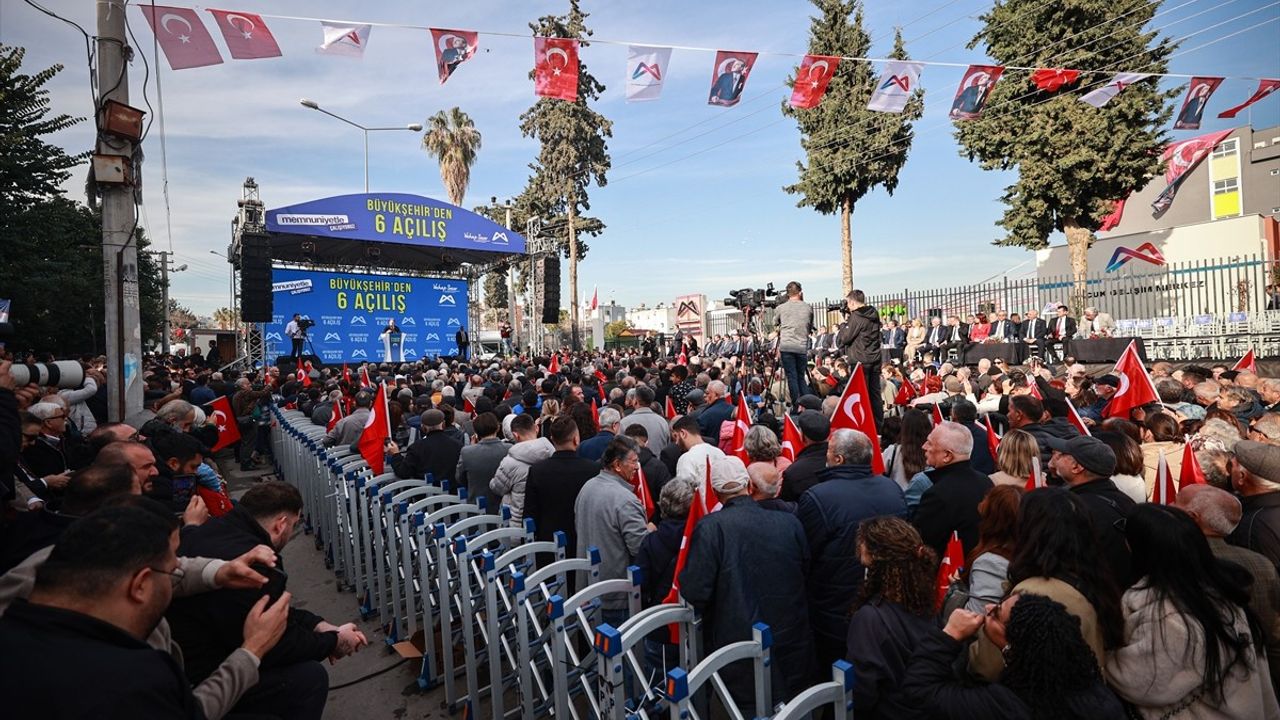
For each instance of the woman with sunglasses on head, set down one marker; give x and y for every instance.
(1192, 648)
(1050, 672)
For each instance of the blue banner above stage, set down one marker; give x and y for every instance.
(351, 311)
(395, 218)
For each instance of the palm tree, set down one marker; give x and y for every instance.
(452, 139)
(225, 318)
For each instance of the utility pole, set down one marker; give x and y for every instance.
(119, 252)
(166, 260)
(573, 273)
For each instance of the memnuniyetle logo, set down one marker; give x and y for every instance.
(1145, 252)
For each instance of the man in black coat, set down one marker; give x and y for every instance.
(655, 471)
(436, 453)
(748, 565)
(951, 504)
(860, 339)
(1060, 331)
(965, 413)
(1086, 464)
(802, 474)
(848, 493)
(210, 626)
(77, 648)
(552, 486)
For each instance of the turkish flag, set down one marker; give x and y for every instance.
(225, 421)
(952, 564)
(182, 36)
(792, 440)
(595, 414)
(555, 68)
(1136, 388)
(1191, 473)
(1266, 86)
(1076, 421)
(643, 493)
(346, 373)
(1248, 362)
(698, 509)
(468, 407)
(1037, 479)
(741, 424)
(554, 366)
(993, 440)
(301, 376)
(1054, 79)
(377, 430)
(1164, 492)
(1117, 214)
(812, 77)
(684, 359)
(906, 393)
(595, 298)
(600, 376)
(937, 415)
(246, 35)
(854, 413)
(335, 416)
(671, 409)
(364, 377)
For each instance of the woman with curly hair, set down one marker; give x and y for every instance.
(893, 612)
(1050, 671)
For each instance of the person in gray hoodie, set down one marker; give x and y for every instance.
(512, 472)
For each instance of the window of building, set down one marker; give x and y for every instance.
(1227, 148)
(1226, 185)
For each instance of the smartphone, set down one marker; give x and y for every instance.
(276, 579)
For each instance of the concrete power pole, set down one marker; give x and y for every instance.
(119, 251)
(166, 262)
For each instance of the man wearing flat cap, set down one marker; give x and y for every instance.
(1255, 474)
(1086, 464)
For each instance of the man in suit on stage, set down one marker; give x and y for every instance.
(1031, 333)
(1062, 329)
(1096, 324)
(957, 336)
(936, 336)
(1003, 328)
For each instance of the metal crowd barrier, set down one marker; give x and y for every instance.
(505, 622)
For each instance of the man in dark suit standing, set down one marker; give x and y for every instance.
(1031, 333)
(1061, 330)
(552, 486)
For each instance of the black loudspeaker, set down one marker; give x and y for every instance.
(546, 277)
(256, 301)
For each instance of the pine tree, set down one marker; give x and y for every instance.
(574, 153)
(1073, 160)
(30, 168)
(850, 150)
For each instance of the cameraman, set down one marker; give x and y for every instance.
(296, 334)
(859, 337)
(795, 321)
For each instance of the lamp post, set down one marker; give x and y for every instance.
(412, 127)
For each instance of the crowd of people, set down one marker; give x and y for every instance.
(1074, 596)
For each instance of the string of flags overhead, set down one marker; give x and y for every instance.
(187, 43)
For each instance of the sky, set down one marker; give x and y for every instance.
(694, 202)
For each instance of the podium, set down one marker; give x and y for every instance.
(392, 346)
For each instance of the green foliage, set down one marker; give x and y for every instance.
(495, 290)
(1073, 160)
(614, 329)
(574, 150)
(453, 140)
(31, 169)
(850, 150)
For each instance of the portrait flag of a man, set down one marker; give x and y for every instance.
(1198, 92)
(646, 71)
(730, 77)
(812, 77)
(555, 68)
(975, 88)
(453, 47)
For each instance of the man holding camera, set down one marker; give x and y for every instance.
(795, 321)
(296, 334)
(859, 337)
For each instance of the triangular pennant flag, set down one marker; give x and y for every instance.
(1164, 492)
(335, 416)
(1104, 94)
(1190, 473)
(1248, 362)
(643, 493)
(670, 409)
(344, 40)
(1192, 110)
(975, 87)
(453, 47)
(246, 35)
(1054, 79)
(906, 393)
(225, 421)
(854, 412)
(936, 415)
(792, 440)
(1266, 86)
(1136, 388)
(993, 440)
(741, 424)
(729, 77)
(377, 430)
(812, 77)
(950, 568)
(646, 71)
(1180, 159)
(555, 68)
(895, 86)
(182, 36)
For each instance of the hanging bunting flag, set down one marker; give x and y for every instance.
(1198, 92)
(1248, 362)
(1054, 79)
(1180, 158)
(1265, 88)
(895, 86)
(812, 77)
(646, 71)
(453, 47)
(1117, 214)
(246, 35)
(184, 39)
(975, 87)
(555, 68)
(344, 40)
(1101, 96)
(730, 77)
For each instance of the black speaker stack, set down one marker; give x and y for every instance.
(546, 288)
(255, 278)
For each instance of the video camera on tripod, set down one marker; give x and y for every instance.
(749, 299)
(305, 324)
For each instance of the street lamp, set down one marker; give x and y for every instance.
(313, 105)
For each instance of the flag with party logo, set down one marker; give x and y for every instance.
(646, 71)
(894, 88)
(344, 40)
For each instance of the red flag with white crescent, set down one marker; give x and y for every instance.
(906, 393)
(698, 509)
(643, 493)
(377, 430)
(1248, 362)
(952, 564)
(554, 366)
(182, 36)
(335, 416)
(1073, 417)
(468, 407)
(854, 412)
(1266, 86)
(1180, 159)
(741, 424)
(1136, 388)
(1037, 479)
(792, 440)
(937, 415)
(364, 377)
(453, 47)
(225, 420)
(1190, 473)
(555, 68)
(246, 35)
(346, 372)
(812, 77)
(670, 409)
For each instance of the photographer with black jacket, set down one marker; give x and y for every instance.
(859, 338)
